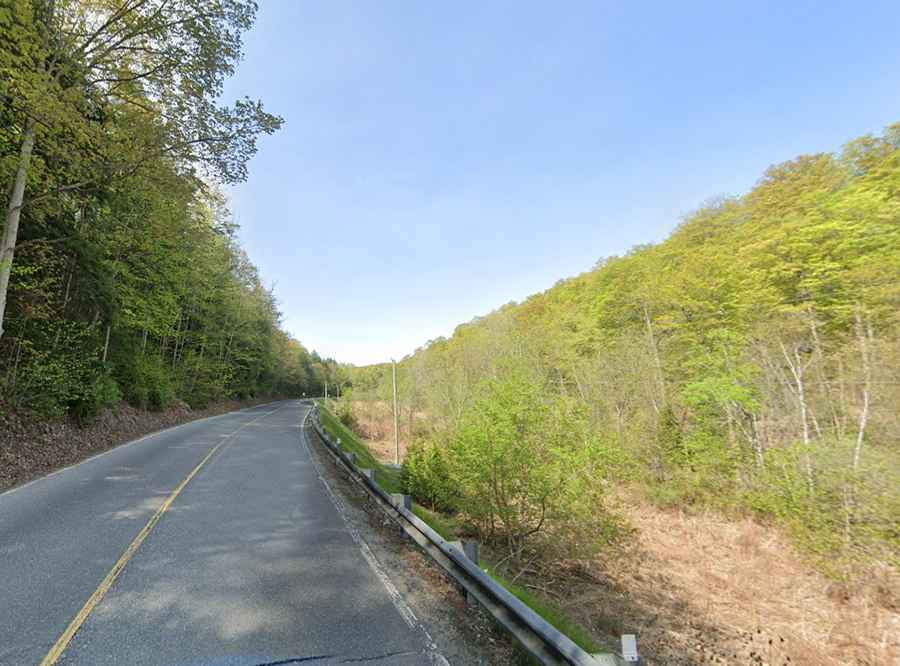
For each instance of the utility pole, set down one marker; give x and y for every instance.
(396, 415)
(326, 389)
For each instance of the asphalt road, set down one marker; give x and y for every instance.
(249, 564)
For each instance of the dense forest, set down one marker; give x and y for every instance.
(121, 276)
(746, 364)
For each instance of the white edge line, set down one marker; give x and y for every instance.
(396, 598)
(129, 443)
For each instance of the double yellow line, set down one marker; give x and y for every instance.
(63, 641)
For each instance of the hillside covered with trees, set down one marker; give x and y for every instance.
(121, 276)
(747, 364)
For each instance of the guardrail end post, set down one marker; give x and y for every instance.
(630, 649)
(400, 500)
(629, 654)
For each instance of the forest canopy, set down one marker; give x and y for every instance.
(747, 363)
(120, 272)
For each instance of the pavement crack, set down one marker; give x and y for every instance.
(296, 660)
(386, 655)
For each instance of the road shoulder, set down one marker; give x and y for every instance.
(466, 636)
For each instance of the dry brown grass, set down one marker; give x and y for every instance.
(704, 589)
(374, 423)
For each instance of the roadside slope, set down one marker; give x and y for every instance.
(32, 445)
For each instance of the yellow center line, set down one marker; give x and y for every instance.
(63, 641)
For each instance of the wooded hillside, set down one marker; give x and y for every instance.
(121, 275)
(748, 363)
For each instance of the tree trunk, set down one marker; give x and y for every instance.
(13, 214)
(823, 376)
(15, 368)
(797, 370)
(657, 362)
(106, 342)
(175, 340)
(863, 335)
(795, 365)
(757, 442)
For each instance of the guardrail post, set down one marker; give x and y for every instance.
(369, 474)
(404, 501)
(472, 549)
(463, 546)
(351, 458)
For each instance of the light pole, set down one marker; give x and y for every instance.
(396, 415)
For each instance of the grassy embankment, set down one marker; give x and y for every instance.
(387, 477)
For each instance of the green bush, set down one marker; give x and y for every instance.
(147, 381)
(57, 368)
(343, 410)
(426, 476)
(97, 395)
(203, 381)
(522, 467)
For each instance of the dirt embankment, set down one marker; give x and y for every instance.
(32, 445)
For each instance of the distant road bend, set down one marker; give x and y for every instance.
(213, 543)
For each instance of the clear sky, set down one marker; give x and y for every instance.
(440, 159)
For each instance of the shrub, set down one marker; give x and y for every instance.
(343, 410)
(147, 381)
(426, 476)
(102, 392)
(526, 470)
(57, 368)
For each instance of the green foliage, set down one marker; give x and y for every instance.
(440, 523)
(521, 466)
(126, 261)
(425, 476)
(748, 364)
(845, 517)
(104, 391)
(55, 368)
(344, 414)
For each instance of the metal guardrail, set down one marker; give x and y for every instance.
(536, 635)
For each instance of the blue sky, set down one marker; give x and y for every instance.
(441, 159)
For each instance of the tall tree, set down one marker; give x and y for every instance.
(118, 82)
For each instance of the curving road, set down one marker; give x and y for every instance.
(213, 543)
